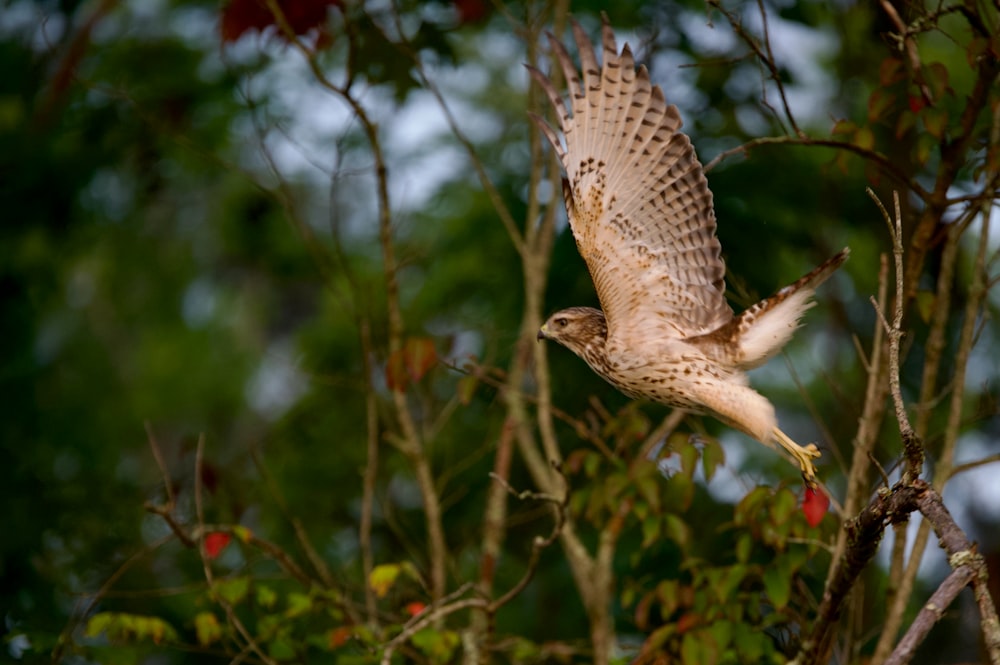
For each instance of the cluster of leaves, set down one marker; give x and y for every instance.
(287, 623)
(734, 600)
(702, 581)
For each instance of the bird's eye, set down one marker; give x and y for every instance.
(562, 323)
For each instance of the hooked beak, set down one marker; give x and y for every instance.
(543, 333)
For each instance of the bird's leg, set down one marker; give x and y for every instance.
(803, 455)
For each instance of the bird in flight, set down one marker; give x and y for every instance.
(641, 213)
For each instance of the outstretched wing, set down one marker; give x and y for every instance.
(637, 198)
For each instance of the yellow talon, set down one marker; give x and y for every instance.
(804, 455)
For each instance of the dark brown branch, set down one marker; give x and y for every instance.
(864, 533)
(932, 612)
(886, 164)
(963, 553)
(909, 45)
(539, 544)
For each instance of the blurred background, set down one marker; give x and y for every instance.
(191, 246)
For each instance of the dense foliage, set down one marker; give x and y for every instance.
(271, 277)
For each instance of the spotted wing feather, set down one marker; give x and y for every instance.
(637, 198)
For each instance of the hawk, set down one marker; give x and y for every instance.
(641, 214)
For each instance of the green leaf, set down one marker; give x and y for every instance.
(243, 533)
(668, 591)
(207, 628)
(130, 627)
(784, 505)
(98, 623)
(268, 626)
(778, 584)
(266, 596)
(524, 650)
(744, 547)
(650, 530)
(382, 577)
(678, 492)
(729, 581)
(659, 637)
(298, 604)
(698, 648)
(689, 458)
(281, 649)
(677, 530)
(233, 589)
(844, 128)
(925, 305)
(936, 76)
(466, 389)
(925, 145)
(722, 633)
(748, 642)
(905, 123)
(712, 456)
(935, 121)
(649, 487)
(438, 645)
(879, 104)
(864, 138)
(746, 510)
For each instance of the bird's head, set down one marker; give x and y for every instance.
(582, 330)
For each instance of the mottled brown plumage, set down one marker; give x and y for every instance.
(641, 213)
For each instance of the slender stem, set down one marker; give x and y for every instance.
(370, 474)
(932, 612)
(206, 565)
(869, 425)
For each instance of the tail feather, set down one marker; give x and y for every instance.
(767, 326)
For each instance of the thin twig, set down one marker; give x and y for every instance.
(908, 45)
(961, 468)
(913, 451)
(206, 566)
(537, 545)
(869, 425)
(886, 164)
(506, 218)
(317, 563)
(370, 474)
(430, 614)
(154, 446)
(932, 612)
(772, 66)
(662, 431)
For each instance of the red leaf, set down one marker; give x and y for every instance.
(890, 71)
(470, 11)
(410, 364)
(242, 16)
(337, 637)
(814, 506)
(687, 622)
(879, 104)
(215, 542)
(415, 608)
(419, 355)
